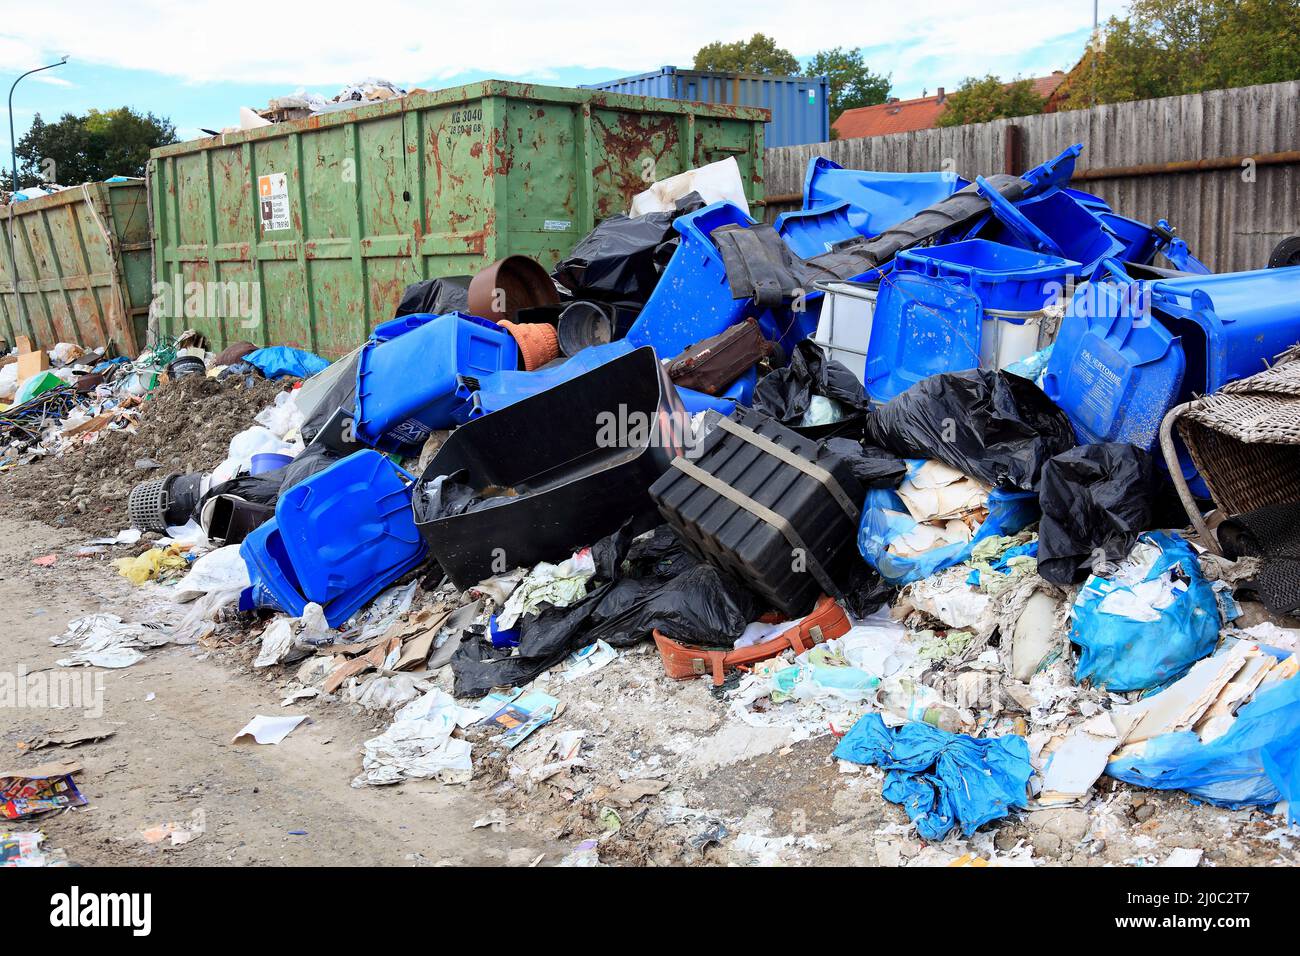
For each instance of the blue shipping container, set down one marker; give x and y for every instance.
(800, 104)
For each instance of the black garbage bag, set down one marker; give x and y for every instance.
(786, 394)
(702, 605)
(264, 489)
(1096, 500)
(435, 296)
(866, 592)
(994, 426)
(657, 584)
(621, 259)
(874, 467)
(545, 639)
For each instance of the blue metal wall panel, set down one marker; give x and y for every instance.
(799, 104)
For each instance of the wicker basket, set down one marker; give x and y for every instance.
(1244, 440)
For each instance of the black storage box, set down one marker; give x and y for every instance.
(563, 479)
(768, 506)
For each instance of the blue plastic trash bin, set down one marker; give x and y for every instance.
(338, 538)
(1005, 278)
(407, 372)
(693, 299)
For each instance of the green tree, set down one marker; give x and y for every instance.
(758, 54)
(1173, 47)
(90, 148)
(852, 84)
(980, 99)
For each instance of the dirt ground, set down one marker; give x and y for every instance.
(185, 427)
(729, 793)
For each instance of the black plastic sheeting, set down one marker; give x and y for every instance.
(435, 296)
(761, 266)
(873, 467)
(264, 489)
(621, 259)
(653, 583)
(994, 426)
(1096, 500)
(786, 394)
(1271, 533)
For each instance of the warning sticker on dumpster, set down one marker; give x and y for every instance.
(273, 200)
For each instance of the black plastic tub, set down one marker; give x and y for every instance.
(562, 468)
(768, 506)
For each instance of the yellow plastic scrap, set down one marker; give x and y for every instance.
(152, 565)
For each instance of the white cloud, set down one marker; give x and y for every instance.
(297, 43)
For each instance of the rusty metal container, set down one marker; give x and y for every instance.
(83, 267)
(311, 229)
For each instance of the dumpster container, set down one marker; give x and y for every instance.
(800, 105)
(83, 267)
(326, 219)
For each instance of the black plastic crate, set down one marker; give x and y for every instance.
(768, 506)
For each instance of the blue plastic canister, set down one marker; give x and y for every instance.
(813, 232)
(1232, 324)
(922, 326)
(338, 538)
(877, 200)
(407, 373)
(693, 299)
(1006, 278)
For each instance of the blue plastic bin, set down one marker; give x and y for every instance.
(1073, 231)
(692, 300)
(813, 232)
(1113, 371)
(922, 326)
(1116, 371)
(876, 200)
(1232, 324)
(407, 373)
(1005, 278)
(338, 539)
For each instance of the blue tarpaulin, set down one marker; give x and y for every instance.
(885, 519)
(942, 780)
(280, 360)
(1124, 653)
(1256, 763)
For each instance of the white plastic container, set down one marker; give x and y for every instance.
(844, 328)
(1007, 337)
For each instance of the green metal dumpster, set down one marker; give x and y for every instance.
(83, 267)
(305, 233)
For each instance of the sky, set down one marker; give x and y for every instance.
(196, 63)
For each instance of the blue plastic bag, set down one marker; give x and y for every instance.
(942, 780)
(885, 518)
(1256, 763)
(1123, 654)
(280, 360)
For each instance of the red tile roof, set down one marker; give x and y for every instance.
(903, 116)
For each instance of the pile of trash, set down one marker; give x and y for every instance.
(889, 469)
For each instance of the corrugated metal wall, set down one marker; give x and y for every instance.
(1232, 218)
(799, 104)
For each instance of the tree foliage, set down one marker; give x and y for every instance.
(852, 84)
(1174, 47)
(90, 148)
(980, 99)
(758, 54)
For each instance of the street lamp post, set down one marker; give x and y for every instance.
(13, 158)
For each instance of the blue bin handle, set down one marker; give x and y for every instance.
(1015, 220)
(1116, 270)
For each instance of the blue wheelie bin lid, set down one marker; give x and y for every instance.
(348, 527)
(1113, 371)
(922, 326)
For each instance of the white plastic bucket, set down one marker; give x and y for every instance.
(844, 327)
(1008, 337)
